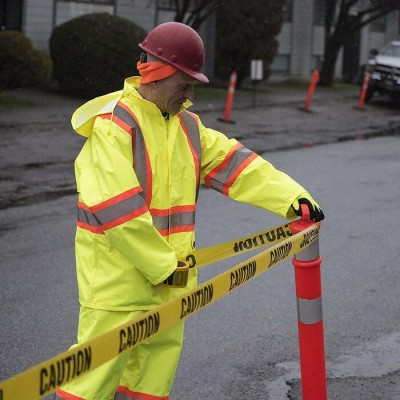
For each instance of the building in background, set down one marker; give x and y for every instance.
(301, 41)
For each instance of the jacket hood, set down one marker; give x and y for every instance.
(83, 118)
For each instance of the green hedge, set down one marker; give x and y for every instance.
(94, 53)
(21, 65)
(247, 30)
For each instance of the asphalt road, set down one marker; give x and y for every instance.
(245, 345)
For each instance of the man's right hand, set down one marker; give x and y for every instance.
(179, 278)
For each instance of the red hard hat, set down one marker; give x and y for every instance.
(179, 45)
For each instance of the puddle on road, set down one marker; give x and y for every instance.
(368, 360)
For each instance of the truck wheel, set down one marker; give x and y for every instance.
(369, 95)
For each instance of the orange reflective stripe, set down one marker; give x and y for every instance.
(190, 126)
(112, 212)
(122, 124)
(61, 395)
(138, 395)
(232, 177)
(222, 177)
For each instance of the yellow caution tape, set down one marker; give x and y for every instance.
(218, 252)
(43, 379)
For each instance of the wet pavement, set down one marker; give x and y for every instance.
(38, 146)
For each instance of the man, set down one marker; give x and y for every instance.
(138, 177)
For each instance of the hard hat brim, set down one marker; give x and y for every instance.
(198, 76)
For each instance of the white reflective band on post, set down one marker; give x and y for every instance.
(310, 253)
(309, 311)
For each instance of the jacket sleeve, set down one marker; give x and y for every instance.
(230, 168)
(111, 201)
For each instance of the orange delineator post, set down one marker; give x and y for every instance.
(311, 88)
(309, 311)
(230, 96)
(364, 89)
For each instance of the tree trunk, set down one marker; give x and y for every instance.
(327, 73)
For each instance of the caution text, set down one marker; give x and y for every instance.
(243, 274)
(271, 236)
(196, 300)
(309, 237)
(139, 331)
(64, 370)
(280, 254)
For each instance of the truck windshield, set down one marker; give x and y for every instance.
(391, 49)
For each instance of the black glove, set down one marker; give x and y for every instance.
(179, 278)
(314, 209)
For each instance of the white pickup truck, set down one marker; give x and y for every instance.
(384, 67)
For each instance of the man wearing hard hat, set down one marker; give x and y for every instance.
(138, 177)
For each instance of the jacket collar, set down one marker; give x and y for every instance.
(130, 90)
(83, 118)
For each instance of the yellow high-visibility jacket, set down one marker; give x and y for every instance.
(138, 176)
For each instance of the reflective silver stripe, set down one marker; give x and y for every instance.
(108, 214)
(309, 253)
(219, 180)
(192, 128)
(139, 151)
(124, 116)
(174, 220)
(309, 311)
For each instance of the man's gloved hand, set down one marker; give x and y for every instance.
(179, 278)
(315, 210)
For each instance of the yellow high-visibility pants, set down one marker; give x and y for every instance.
(144, 372)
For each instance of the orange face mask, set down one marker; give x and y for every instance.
(154, 71)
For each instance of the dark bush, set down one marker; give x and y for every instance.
(259, 23)
(94, 53)
(21, 65)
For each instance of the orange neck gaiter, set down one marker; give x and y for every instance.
(154, 71)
